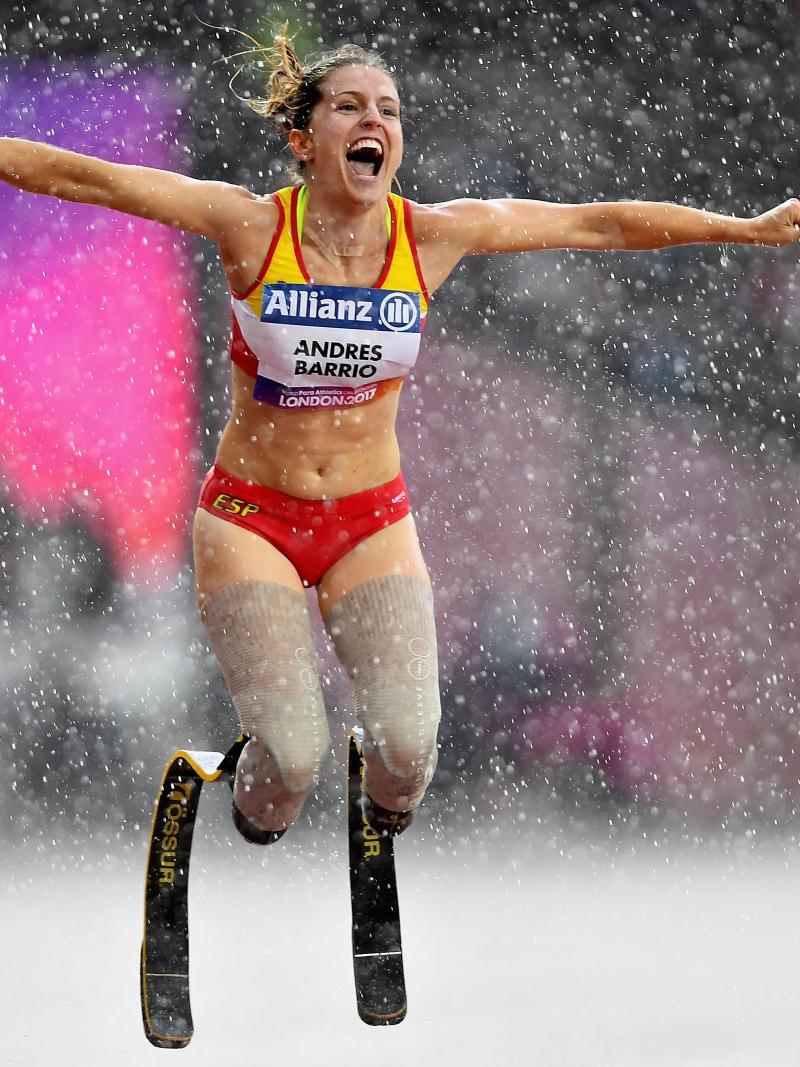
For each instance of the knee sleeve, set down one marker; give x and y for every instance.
(261, 634)
(385, 637)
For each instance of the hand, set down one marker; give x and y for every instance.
(778, 227)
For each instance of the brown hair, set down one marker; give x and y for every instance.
(295, 87)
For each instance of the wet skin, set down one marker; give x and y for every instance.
(335, 453)
(327, 453)
(332, 452)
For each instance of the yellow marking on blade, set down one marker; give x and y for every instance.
(390, 1015)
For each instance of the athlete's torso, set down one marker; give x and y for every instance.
(328, 346)
(295, 439)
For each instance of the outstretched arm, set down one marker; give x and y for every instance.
(185, 203)
(486, 226)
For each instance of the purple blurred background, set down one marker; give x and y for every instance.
(99, 355)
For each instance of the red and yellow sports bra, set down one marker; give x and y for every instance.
(312, 345)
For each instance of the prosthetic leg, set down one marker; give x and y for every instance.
(164, 974)
(377, 947)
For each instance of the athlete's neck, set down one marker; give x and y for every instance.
(345, 230)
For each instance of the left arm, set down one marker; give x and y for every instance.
(472, 227)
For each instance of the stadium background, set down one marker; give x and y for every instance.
(602, 449)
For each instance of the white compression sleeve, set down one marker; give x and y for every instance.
(385, 637)
(261, 634)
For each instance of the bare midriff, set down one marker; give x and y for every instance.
(310, 453)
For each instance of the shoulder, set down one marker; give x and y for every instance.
(431, 220)
(248, 223)
(451, 221)
(443, 233)
(238, 205)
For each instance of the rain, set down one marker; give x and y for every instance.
(601, 451)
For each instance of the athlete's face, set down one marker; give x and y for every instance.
(354, 140)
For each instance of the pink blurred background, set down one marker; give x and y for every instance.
(98, 359)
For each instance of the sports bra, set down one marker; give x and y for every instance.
(313, 346)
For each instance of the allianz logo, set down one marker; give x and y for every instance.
(397, 311)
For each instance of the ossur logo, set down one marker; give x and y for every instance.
(398, 312)
(173, 814)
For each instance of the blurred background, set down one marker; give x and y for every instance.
(602, 449)
(603, 453)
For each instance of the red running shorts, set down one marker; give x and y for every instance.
(312, 534)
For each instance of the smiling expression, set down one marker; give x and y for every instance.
(355, 139)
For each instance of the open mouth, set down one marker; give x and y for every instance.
(365, 157)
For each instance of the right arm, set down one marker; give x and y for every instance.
(203, 207)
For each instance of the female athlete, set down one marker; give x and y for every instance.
(330, 280)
